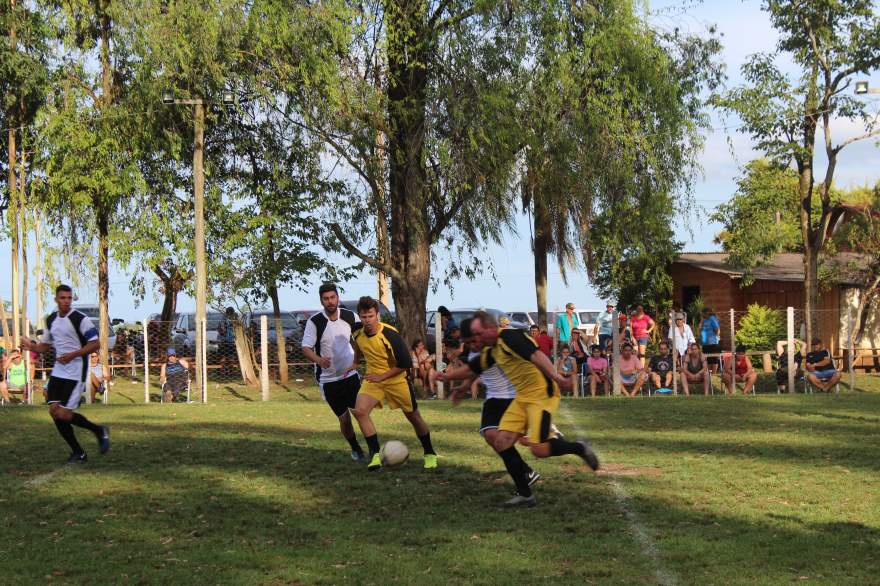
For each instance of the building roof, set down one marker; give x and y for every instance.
(787, 266)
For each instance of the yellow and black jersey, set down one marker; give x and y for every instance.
(513, 355)
(383, 350)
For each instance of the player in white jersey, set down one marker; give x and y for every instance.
(72, 336)
(327, 342)
(500, 392)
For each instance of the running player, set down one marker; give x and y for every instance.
(530, 414)
(73, 337)
(327, 342)
(388, 365)
(499, 394)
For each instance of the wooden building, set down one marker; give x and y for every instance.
(778, 284)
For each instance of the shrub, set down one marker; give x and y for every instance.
(761, 327)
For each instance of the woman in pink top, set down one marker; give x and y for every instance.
(641, 325)
(598, 368)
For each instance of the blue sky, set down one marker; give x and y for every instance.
(745, 30)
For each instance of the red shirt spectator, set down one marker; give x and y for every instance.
(544, 342)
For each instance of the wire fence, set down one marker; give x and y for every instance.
(253, 356)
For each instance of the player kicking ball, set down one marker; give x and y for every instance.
(529, 417)
(386, 380)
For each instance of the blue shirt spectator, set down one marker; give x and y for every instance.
(566, 322)
(710, 328)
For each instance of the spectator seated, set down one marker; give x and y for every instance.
(821, 372)
(660, 367)
(742, 372)
(174, 377)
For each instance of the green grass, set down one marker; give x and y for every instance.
(739, 490)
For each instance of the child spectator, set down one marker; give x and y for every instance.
(598, 369)
(566, 365)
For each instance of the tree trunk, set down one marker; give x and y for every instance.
(103, 285)
(811, 292)
(540, 248)
(25, 330)
(12, 215)
(172, 284)
(409, 48)
(245, 355)
(38, 254)
(280, 340)
(381, 219)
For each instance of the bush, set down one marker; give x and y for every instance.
(761, 327)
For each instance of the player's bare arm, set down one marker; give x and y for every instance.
(311, 355)
(38, 347)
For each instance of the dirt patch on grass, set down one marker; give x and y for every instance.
(612, 469)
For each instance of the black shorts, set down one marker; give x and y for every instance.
(341, 395)
(64, 391)
(493, 410)
(712, 349)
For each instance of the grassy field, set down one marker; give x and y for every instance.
(717, 490)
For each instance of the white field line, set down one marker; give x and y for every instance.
(638, 529)
(44, 478)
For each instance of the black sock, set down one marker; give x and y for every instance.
(355, 446)
(80, 421)
(560, 447)
(66, 431)
(516, 467)
(426, 443)
(372, 443)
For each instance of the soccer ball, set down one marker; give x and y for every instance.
(394, 453)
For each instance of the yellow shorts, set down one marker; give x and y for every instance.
(531, 417)
(397, 393)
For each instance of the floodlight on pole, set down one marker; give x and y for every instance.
(863, 88)
(228, 98)
(168, 97)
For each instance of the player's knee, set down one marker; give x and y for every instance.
(540, 450)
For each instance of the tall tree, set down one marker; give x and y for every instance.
(829, 42)
(438, 82)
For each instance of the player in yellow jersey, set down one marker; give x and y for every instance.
(386, 381)
(529, 417)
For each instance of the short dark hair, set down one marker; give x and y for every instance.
(595, 347)
(817, 341)
(64, 288)
(415, 343)
(443, 311)
(534, 327)
(626, 345)
(741, 349)
(465, 328)
(327, 288)
(367, 303)
(486, 318)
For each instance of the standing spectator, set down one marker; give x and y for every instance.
(743, 372)
(694, 370)
(544, 342)
(782, 368)
(99, 376)
(623, 332)
(641, 325)
(598, 367)
(661, 367)
(820, 367)
(632, 375)
(447, 322)
(566, 365)
(603, 330)
(710, 337)
(566, 322)
(681, 336)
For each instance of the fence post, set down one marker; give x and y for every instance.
(675, 354)
(203, 331)
(27, 365)
(615, 353)
(732, 388)
(438, 352)
(789, 361)
(851, 338)
(264, 357)
(147, 360)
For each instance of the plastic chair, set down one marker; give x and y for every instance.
(186, 390)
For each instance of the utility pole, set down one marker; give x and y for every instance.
(199, 197)
(199, 211)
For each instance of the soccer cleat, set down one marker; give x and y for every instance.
(358, 457)
(375, 462)
(555, 430)
(77, 459)
(519, 500)
(533, 477)
(430, 461)
(104, 439)
(588, 454)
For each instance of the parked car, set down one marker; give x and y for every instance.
(93, 312)
(463, 313)
(530, 318)
(184, 337)
(290, 326)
